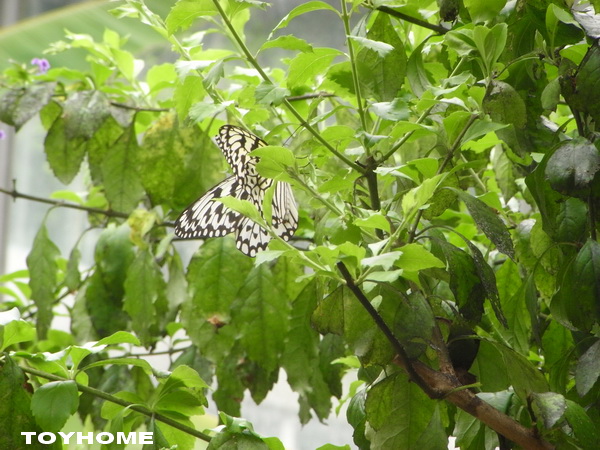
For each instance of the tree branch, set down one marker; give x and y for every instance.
(441, 385)
(466, 400)
(407, 18)
(61, 203)
(396, 344)
(135, 407)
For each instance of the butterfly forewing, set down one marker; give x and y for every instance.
(207, 218)
(236, 144)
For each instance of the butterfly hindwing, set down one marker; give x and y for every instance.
(206, 218)
(285, 212)
(251, 238)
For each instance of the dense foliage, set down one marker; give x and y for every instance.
(446, 168)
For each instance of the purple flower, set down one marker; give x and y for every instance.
(42, 63)
(2, 134)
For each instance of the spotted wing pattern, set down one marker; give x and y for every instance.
(206, 218)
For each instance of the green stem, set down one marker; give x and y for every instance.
(110, 398)
(252, 60)
(330, 206)
(447, 159)
(349, 43)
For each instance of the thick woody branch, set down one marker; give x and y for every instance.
(445, 385)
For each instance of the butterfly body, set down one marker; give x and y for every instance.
(207, 218)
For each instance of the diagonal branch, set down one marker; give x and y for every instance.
(399, 15)
(396, 344)
(444, 385)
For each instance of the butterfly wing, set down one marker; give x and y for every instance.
(251, 238)
(285, 211)
(236, 144)
(206, 218)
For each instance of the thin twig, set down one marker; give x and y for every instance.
(61, 203)
(392, 12)
(111, 398)
(296, 98)
(447, 159)
(139, 108)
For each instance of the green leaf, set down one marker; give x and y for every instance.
(382, 48)
(381, 71)
(550, 407)
(465, 283)
(484, 11)
(385, 260)
(277, 154)
(414, 323)
(513, 292)
(184, 13)
(524, 376)
(415, 258)
(399, 415)
(64, 154)
(53, 403)
(298, 11)
(72, 275)
(551, 95)
(144, 286)
(43, 270)
(571, 221)
(588, 369)
(572, 168)
(488, 279)
(215, 275)
(187, 94)
(300, 358)
(418, 77)
(584, 429)
(264, 315)
(244, 207)
(488, 222)
(97, 147)
(582, 282)
(15, 331)
(17, 106)
(375, 220)
(418, 197)
(504, 105)
(306, 66)
(270, 94)
(83, 113)
(288, 42)
(15, 412)
(120, 337)
(121, 180)
(490, 43)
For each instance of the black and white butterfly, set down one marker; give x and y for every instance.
(207, 218)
